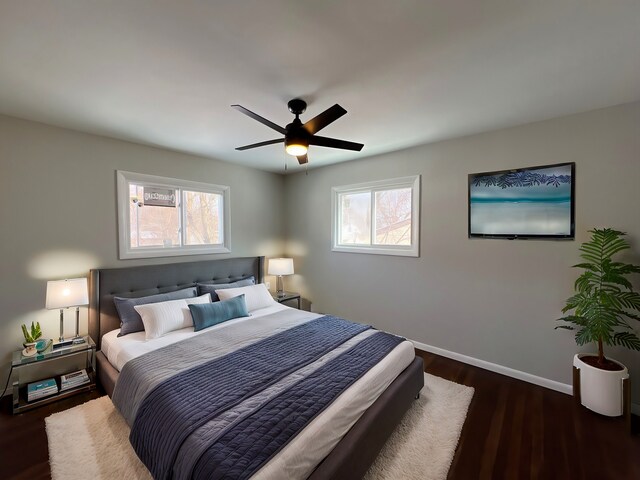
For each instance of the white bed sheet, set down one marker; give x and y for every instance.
(300, 456)
(119, 350)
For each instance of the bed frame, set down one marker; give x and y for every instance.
(352, 456)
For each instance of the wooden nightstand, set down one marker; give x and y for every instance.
(21, 365)
(286, 297)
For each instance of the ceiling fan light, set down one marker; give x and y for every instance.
(296, 149)
(296, 144)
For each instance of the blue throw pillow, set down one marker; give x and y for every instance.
(211, 288)
(130, 320)
(209, 314)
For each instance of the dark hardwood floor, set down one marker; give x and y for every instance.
(24, 453)
(514, 431)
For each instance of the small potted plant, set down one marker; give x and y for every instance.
(602, 306)
(31, 338)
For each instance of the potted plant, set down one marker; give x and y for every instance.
(31, 337)
(602, 305)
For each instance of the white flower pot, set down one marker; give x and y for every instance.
(601, 390)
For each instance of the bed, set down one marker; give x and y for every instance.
(365, 432)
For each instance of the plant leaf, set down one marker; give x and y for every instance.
(573, 319)
(627, 339)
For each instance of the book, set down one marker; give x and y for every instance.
(79, 376)
(73, 385)
(73, 379)
(31, 398)
(75, 382)
(43, 392)
(42, 385)
(41, 389)
(74, 376)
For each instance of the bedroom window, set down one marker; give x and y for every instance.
(379, 217)
(160, 217)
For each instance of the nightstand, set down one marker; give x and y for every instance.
(286, 297)
(22, 365)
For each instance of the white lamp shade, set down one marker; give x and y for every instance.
(280, 266)
(67, 293)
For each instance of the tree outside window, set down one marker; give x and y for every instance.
(378, 217)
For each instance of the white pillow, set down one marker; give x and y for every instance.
(256, 296)
(164, 317)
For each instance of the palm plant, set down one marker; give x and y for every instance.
(604, 298)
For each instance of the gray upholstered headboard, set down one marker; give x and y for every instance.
(104, 284)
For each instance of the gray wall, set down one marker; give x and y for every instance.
(490, 299)
(58, 214)
(495, 300)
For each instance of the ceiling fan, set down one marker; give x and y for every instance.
(297, 135)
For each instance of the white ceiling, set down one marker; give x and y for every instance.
(408, 72)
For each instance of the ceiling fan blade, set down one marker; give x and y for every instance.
(330, 115)
(257, 117)
(335, 143)
(261, 144)
(302, 159)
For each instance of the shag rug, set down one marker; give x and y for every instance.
(91, 440)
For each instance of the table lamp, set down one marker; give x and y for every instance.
(280, 267)
(63, 294)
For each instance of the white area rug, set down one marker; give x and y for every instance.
(423, 444)
(91, 440)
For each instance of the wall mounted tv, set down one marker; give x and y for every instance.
(526, 203)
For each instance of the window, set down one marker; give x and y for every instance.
(160, 217)
(377, 217)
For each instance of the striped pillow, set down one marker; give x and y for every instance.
(164, 317)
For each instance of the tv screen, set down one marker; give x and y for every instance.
(535, 202)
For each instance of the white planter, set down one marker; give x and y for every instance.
(601, 390)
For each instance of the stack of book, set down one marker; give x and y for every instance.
(73, 379)
(41, 389)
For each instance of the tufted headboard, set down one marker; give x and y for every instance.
(104, 284)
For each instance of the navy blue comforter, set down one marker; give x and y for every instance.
(226, 417)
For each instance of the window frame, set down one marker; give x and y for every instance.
(412, 250)
(126, 251)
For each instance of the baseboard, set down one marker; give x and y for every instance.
(509, 372)
(494, 367)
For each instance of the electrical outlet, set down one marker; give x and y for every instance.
(268, 284)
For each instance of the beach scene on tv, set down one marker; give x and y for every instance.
(528, 202)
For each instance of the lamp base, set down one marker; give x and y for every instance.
(279, 286)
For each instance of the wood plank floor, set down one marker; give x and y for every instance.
(24, 453)
(514, 431)
(518, 431)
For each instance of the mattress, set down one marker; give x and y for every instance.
(301, 455)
